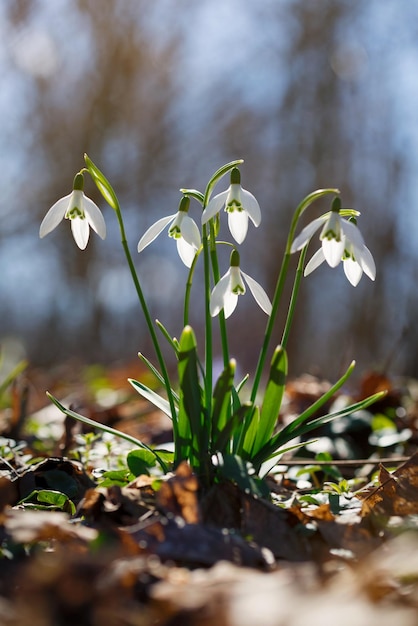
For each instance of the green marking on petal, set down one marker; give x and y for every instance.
(233, 205)
(175, 232)
(330, 234)
(74, 213)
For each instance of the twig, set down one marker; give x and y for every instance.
(346, 463)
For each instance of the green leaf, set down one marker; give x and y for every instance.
(46, 499)
(140, 461)
(153, 397)
(104, 428)
(158, 376)
(171, 340)
(18, 369)
(249, 416)
(192, 425)
(102, 183)
(272, 398)
(221, 407)
(287, 434)
(118, 478)
(233, 467)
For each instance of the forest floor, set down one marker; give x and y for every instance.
(83, 542)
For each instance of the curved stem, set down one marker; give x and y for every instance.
(294, 296)
(303, 205)
(188, 289)
(148, 319)
(208, 323)
(216, 277)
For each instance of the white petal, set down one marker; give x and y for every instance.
(315, 262)
(238, 225)
(352, 233)
(252, 207)
(214, 206)
(95, 217)
(367, 263)
(333, 251)
(230, 303)
(54, 216)
(353, 271)
(81, 231)
(190, 232)
(259, 294)
(153, 231)
(306, 233)
(186, 251)
(218, 294)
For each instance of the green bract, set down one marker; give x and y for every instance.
(224, 428)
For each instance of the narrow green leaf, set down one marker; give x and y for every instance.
(272, 398)
(152, 396)
(287, 434)
(322, 400)
(221, 406)
(18, 369)
(192, 430)
(104, 428)
(158, 376)
(171, 340)
(233, 467)
(102, 183)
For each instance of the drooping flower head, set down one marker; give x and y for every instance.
(182, 228)
(239, 204)
(82, 212)
(225, 293)
(341, 241)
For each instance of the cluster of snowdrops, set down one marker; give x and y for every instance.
(223, 427)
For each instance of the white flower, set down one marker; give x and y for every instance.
(341, 241)
(225, 293)
(356, 257)
(239, 204)
(182, 228)
(80, 210)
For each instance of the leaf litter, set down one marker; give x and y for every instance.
(336, 540)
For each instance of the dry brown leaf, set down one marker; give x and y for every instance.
(397, 493)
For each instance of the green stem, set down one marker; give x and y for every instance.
(306, 202)
(294, 296)
(208, 324)
(216, 278)
(188, 289)
(148, 319)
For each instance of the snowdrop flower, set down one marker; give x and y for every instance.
(356, 257)
(239, 204)
(82, 212)
(341, 241)
(225, 293)
(182, 228)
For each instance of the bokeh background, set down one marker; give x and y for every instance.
(310, 93)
